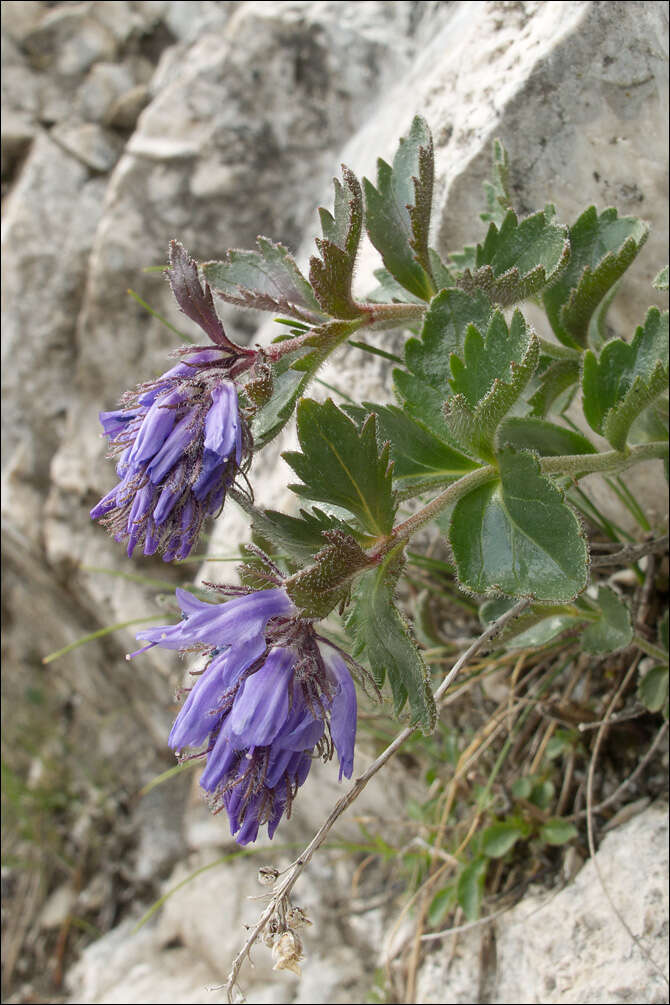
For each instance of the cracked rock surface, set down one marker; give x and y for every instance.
(127, 124)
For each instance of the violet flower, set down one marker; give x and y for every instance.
(272, 696)
(181, 438)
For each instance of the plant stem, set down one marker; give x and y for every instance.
(609, 460)
(379, 316)
(468, 483)
(632, 552)
(576, 465)
(570, 464)
(650, 649)
(327, 335)
(275, 351)
(557, 351)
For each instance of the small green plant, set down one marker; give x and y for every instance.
(479, 445)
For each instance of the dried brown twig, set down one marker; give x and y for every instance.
(631, 552)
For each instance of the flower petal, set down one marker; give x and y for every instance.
(220, 761)
(222, 421)
(173, 449)
(201, 712)
(116, 422)
(240, 622)
(156, 426)
(344, 710)
(301, 730)
(261, 705)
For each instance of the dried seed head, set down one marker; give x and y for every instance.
(296, 918)
(287, 953)
(267, 875)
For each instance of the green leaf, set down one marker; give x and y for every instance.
(398, 210)
(522, 787)
(517, 260)
(419, 457)
(445, 325)
(471, 887)
(291, 376)
(599, 329)
(331, 275)
(442, 274)
(517, 536)
(270, 419)
(498, 197)
(546, 438)
(488, 382)
(660, 282)
(535, 628)
(613, 630)
(299, 537)
(553, 381)
(546, 629)
(542, 794)
(651, 424)
(499, 838)
(465, 259)
(652, 690)
(557, 831)
(602, 248)
(389, 290)
(442, 903)
(626, 378)
(425, 387)
(267, 279)
(488, 359)
(380, 631)
(343, 467)
(563, 742)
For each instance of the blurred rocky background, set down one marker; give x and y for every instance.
(126, 124)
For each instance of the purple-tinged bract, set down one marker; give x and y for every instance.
(271, 697)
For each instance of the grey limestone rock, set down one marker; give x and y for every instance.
(572, 946)
(230, 120)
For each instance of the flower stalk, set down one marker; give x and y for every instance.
(579, 465)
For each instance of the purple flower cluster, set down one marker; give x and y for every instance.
(271, 697)
(181, 439)
(181, 442)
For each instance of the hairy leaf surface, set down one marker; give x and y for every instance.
(424, 385)
(518, 259)
(398, 210)
(488, 380)
(557, 377)
(298, 537)
(517, 536)
(331, 274)
(381, 633)
(419, 457)
(326, 583)
(498, 197)
(613, 630)
(546, 438)
(602, 248)
(267, 279)
(626, 378)
(341, 466)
